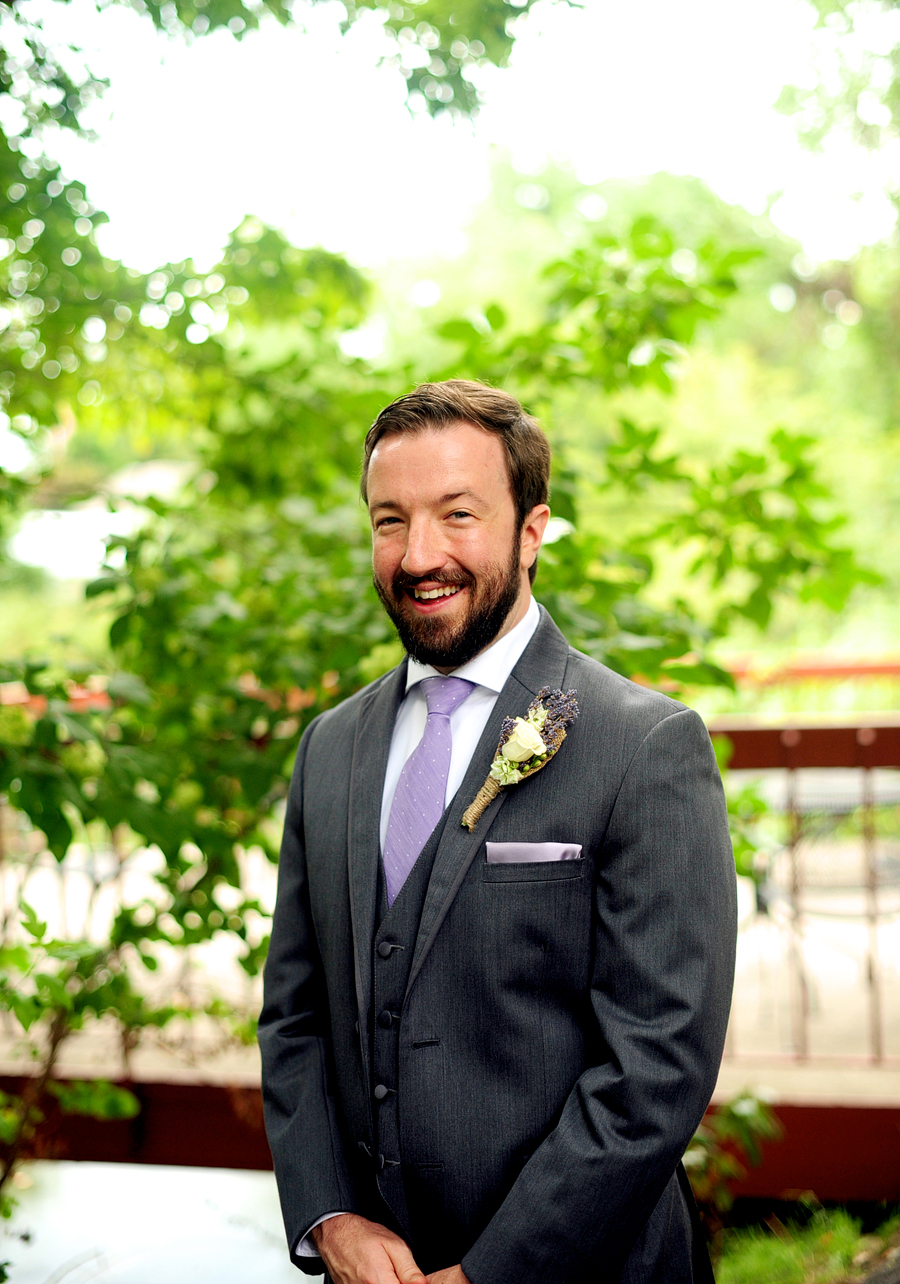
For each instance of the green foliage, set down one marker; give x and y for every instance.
(821, 1252)
(95, 1098)
(440, 45)
(55, 986)
(66, 770)
(746, 812)
(619, 310)
(727, 1140)
(859, 93)
(64, 983)
(189, 16)
(439, 49)
(755, 514)
(62, 305)
(63, 300)
(755, 533)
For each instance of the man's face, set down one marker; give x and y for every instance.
(449, 561)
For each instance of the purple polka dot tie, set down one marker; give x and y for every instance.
(419, 799)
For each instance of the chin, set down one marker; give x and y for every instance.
(445, 641)
(449, 644)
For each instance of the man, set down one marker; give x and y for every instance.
(485, 1052)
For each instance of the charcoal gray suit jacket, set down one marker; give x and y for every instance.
(563, 1022)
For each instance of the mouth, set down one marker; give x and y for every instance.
(429, 595)
(432, 599)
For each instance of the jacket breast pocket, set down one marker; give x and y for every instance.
(541, 871)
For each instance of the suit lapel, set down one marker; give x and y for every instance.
(542, 664)
(371, 747)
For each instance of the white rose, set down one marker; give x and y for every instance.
(524, 743)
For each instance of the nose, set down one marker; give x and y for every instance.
(424, 551)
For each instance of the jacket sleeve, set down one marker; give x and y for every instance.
(295, 1043)
(664, 941)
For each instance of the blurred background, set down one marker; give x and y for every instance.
(231, 231)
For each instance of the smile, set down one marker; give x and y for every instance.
(426, 595)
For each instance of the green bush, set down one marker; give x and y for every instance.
(818, 1253)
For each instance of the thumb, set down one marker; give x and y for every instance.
(403, 1263)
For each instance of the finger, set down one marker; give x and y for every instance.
(403, 1262)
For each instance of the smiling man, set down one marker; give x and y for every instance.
(485, 1049)
(451, 566)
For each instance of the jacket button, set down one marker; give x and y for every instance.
(381, 1092)
(384, 949)
(385, 1019)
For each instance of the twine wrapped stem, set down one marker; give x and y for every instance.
(486, 794)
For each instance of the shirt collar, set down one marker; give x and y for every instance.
(492, 666)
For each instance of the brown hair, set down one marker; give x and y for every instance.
(441, 405)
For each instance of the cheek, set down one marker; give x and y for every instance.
(387, 555)
(480, 555)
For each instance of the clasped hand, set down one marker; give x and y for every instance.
(357, 1251)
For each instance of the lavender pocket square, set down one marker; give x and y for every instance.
(530, 853)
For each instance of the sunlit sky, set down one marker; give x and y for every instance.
(301, 126)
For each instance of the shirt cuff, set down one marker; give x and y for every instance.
(305, 1246)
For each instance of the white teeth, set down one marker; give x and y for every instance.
(426, 595)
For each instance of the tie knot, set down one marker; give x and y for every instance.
(443, 695)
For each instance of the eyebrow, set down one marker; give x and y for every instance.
(443, 499)
(457, 494)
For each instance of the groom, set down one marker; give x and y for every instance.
(485, 1052)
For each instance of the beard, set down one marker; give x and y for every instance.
(446, 644)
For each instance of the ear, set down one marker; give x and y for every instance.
(532, 533)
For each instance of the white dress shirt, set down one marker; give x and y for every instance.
(489, 671)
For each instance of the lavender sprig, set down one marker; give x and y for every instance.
(535, 739)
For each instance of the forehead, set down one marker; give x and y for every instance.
(437, 461)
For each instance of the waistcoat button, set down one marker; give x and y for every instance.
(384, 950)
(385, 1019)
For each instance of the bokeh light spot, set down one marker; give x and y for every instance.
(425, 294)
(834, 336)
(532, 196)
(849, 312)
(591, 206)
(782, 297)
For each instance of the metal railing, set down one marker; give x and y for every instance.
(829, 891)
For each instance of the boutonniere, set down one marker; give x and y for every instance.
(526, 745)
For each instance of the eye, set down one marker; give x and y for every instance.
(461, 512)
(381, 522)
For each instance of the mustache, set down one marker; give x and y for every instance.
(403, 582)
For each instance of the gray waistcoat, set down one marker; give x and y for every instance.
(392, 951)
